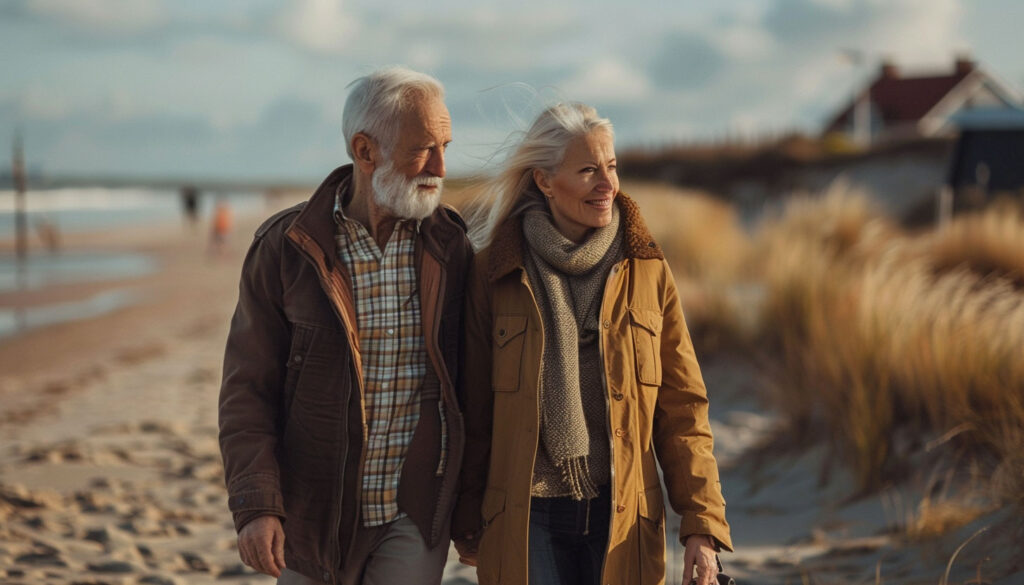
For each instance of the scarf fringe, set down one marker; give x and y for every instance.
(577, 475)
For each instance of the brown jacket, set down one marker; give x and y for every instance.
(292, 422)
(657, 406)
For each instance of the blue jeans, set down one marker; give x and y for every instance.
(568, 539)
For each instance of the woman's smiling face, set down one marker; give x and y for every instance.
(582, 190)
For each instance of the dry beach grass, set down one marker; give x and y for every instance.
(879, 332)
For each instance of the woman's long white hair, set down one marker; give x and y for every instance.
(542, 147)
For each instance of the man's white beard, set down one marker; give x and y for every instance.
(401, 196)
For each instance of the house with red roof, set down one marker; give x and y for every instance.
(897, 107)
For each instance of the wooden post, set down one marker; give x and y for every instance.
(862, 118)
(944, 206)
(20, 223)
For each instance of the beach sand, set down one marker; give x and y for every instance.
(110, 471)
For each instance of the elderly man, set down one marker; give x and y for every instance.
(339, 425)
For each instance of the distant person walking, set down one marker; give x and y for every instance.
(49, 233)
(190, 205)
(220, 227)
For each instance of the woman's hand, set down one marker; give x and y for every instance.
(467, 549)
(700, 555)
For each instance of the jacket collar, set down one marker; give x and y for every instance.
(506, 247)
(438, 231)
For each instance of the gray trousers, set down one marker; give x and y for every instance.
(385, 555)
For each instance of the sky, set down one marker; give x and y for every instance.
(254, 89)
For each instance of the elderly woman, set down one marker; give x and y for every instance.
(579, 375)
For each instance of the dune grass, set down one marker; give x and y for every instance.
(877, 332)
(988, 242)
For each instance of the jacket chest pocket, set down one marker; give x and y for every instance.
(302, 337)
(645, 325)
(508, 339)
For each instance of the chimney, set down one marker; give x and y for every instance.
(889, 70)
(963, 65)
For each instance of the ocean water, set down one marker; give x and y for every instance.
(43, 269)
(14, 320)
(86, 210)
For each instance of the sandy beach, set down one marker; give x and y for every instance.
(110, 471)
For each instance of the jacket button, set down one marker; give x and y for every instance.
(607, 323)
(620, 433)
(501, 333)
(618, 396)
(620, 508)
(297, 358)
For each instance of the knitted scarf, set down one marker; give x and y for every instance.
(568, 280)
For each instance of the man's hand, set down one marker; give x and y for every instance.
(261, 545)
(700, 554)
(467, 549)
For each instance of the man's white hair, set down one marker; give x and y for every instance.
(376, 102)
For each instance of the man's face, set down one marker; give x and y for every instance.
(409, 182)
(424, 131)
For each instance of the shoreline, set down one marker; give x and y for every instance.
(186, 286)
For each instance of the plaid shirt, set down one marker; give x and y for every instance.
(393, 352)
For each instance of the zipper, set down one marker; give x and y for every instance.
(435, 329)
(586, 521)
(607, 402)
(536, 436)
(328, 288)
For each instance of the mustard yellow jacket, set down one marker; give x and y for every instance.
(657, 409)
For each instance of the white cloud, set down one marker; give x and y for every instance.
(920, 31)
(425, 55)
(608, 80)
(909, 30)
(783, 67)
(838, 4)
(318, 25)
(45, 104)
(105, 16)
(744, 40)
